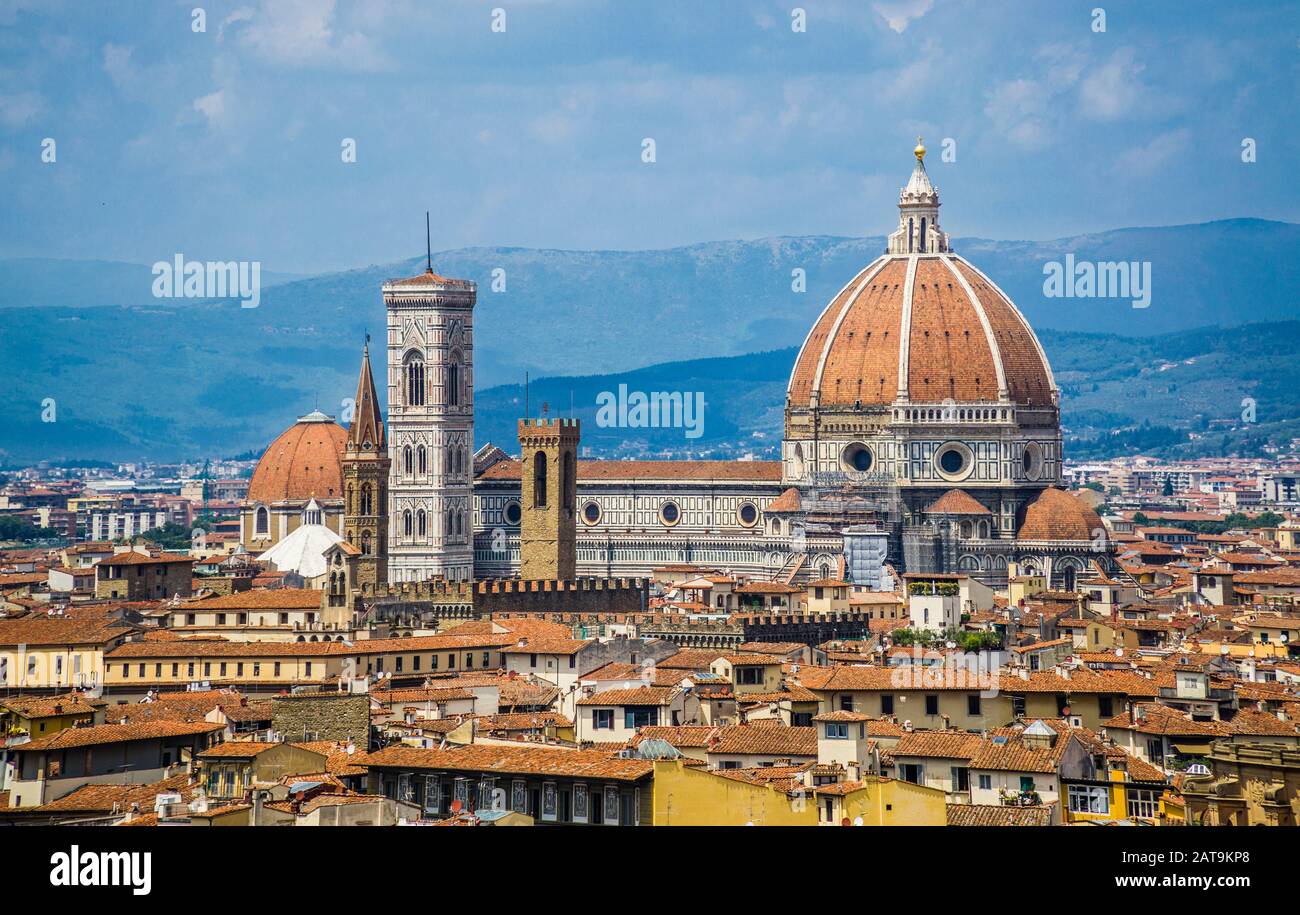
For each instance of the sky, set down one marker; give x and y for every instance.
(227, 142)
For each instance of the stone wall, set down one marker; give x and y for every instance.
(327, 716)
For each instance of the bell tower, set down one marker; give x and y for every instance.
(365, 483)
(548, 528)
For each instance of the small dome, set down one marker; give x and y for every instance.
(1057, 515)
(304, 462)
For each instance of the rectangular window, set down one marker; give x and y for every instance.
(1088, 799)
(277, 668)
(973, 705)
(640, 716)
(1026, 783)
(986, 783)
(1142, 803)
(886, 704)
(846, 703)
(932, 705)
(960, 778)
(911, 772)
(1105, 706)
(602, 719)
(837, 730)
(749, 676)
(307, 668)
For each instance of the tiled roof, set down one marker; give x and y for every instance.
(526, 760)
(46, 631)
(999, 815)
(549, 646)
(756, 471)
(957, 502)
(1057, 515)
(69, 738)
(641, 695)
(303, 462)
(938, 744)
(259, 599)
(107, 797)
(47, 706)
(751, 739)
(132, 558)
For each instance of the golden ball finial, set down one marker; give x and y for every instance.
(919, 152)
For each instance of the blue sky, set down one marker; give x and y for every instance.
(226, 144)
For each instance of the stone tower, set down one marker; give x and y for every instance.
(365, 482)
(548, 528)
(430, 427)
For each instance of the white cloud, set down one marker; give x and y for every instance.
(305, 33)
(213, 107)
(898, 13)
(1112, 90)
(18, 108)
(1151, 157)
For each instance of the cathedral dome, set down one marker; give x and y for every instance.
(302, 463)
(920, 324)
(1057, 515)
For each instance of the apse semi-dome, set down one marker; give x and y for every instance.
(1057, 515)
(304, 462)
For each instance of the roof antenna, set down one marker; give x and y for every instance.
(428, 244)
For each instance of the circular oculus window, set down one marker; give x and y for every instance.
(953, 461)
(748, 514)
(591, 513)
(857, 458)
(512, 513)
(670, 513)
(1032, 460)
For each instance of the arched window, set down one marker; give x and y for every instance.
(911, 238)
(414, 380)
(406, 459)
(421, 460)
(421, 526)
(539, 480)
(365, 543)
(451, 524)
(367, 500)
(406, 522)
(262, 521)
(567, 489)
(921, 248)
(453, 383)
(460, 518)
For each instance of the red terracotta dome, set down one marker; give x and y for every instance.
(303, 463)
(1056, 515)
(928, 327)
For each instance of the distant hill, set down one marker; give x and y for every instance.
(1175, 394)
(39, 282)
(138, 376)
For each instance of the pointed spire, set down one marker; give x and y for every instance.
(366, 425)
(428, 245)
